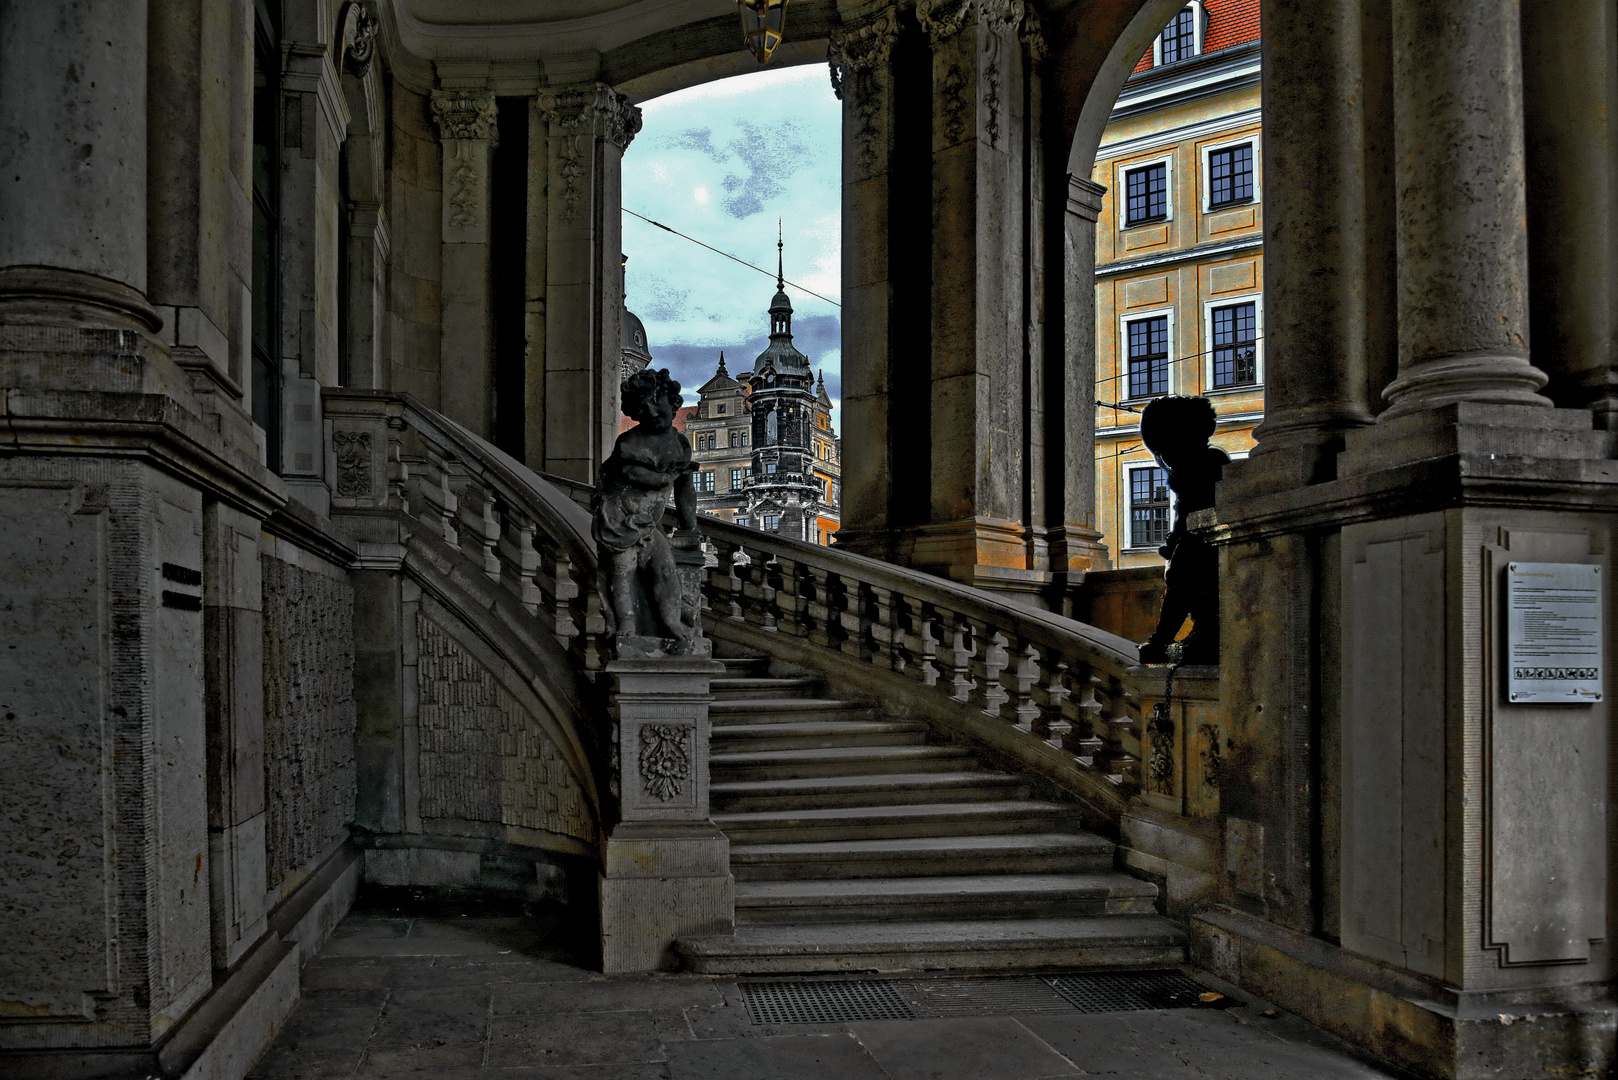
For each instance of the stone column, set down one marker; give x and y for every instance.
(1318, 293)
(864, 78)
(1570, 101)
(978, 518)
(466, 125)
(1459, 172)
(1075, 543)
(667, 870)
(586, 131)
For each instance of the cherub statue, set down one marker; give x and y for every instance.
(640, 584)
(1176, 430)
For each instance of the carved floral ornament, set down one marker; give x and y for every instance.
(353, 452)
(665, 758)
(860, 48)
(941, 19)
(592, 110)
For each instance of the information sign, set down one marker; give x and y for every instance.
(1553, 632)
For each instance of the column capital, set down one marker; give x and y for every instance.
(860, 47)
(595, 109)
(462, 114)
(941, 19)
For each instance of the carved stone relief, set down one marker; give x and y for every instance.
(462, 114)
(665, 758)
(954, 104)
(353, 452)
(1160, 763)
(359, 27)
(598, 111)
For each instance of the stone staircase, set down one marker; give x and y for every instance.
(859, 845)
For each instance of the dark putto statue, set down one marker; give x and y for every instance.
(1176, 430)
(648, 606)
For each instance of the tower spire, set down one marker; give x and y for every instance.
(780, 276)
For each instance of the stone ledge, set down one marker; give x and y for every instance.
(1435, 1030)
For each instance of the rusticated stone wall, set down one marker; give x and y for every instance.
(308, 713)
(481, 756)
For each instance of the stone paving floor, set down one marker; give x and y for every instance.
(477, 997)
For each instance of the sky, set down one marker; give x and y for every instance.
(721, 162)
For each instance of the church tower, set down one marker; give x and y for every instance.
(784, 495)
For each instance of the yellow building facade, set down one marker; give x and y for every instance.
(1179, 271)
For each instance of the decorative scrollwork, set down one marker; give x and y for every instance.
(1160, 764)
(665, 758)
(358, 29)
(1212, 756)
(462, 114)
(954, 104)
(353, 452)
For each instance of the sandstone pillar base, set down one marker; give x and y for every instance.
(663, 880)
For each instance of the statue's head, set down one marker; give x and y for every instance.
(651, 397)
(1172, 426)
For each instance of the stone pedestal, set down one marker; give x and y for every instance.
(668, 866)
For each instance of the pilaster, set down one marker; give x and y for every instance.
(582, 136)
(466, 125)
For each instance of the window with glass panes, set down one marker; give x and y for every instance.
(1235, 354)
(705, 482)
(1230, 175)
(1180, 37)
(738, 477)
(1148, 506)
(1148, 356)
(772, 522)
(1146, 194)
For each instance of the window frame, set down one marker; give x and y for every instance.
(705, 481)
(1123, 352)
(1122, 187)
(738, 477)
(1207, 150)
(1256, 298)
(1131, 506)
(1199, 34)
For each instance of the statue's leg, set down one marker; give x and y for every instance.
(665, 586)
(623, 590)
(1176, 606)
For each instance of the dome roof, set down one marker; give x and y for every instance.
(632, 336)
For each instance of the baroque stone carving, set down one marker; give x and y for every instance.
(665, 758)
(954, 104)
(358, 37)
(1212, 757)
(465, 189)
(860, 48)
(941, 19)
(597, 110)
(1160, 770)
(462, 114)
(353, 452)
(641, 586)
(991, 99)
(481, 757)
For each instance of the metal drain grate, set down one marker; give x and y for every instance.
(1125, 991)
(825, 1002)
(984, 997)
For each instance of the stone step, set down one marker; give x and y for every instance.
(786, 710)
(888, 789)
(745, 667)
(955, 856)
(750, 688)
(816, 734)
(980, 896)
(837, 761)
(971, 945)
(921, 819)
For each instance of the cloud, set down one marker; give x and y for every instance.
(721, 163)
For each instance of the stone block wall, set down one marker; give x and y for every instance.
(308, 710)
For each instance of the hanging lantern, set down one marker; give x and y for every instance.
(762, 25)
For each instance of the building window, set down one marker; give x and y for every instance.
(1179, 41)
(769, 467)
(1230, 175)
(1146, 194)
(772, 522)
(770, 429)
(1148, 356)
(744, 438)
(1148, 507)
(721, 410)
(733, 437)
(744, 522)
(738, 477)
(1235, 348)
(705, 482)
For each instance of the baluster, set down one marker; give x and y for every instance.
(990, 661)
(901, 628)
(725, 583)
(958, 656)
(848, 604)
(926, 648)
(789, 597)
(398, 470)
(1123, 741)
(435, 502)
(812, 603)
(1023, 676)
(1084, 741)
(1051, 696)
(480, 527)
(761, 596)
(518, 553)
(879, 628)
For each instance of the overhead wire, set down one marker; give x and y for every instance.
(729, 256)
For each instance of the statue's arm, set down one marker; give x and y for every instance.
(685, 497)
